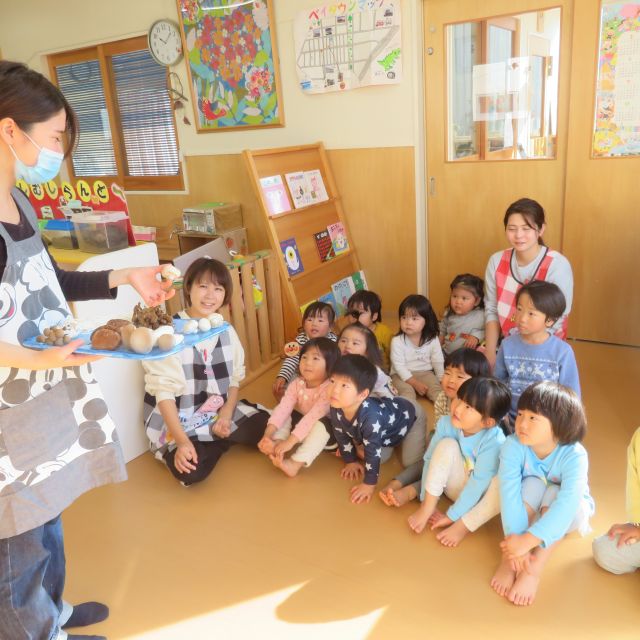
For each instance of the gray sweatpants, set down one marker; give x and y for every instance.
(618, 560)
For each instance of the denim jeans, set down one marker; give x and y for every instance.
(32, 572)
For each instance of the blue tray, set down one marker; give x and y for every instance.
(155, 354)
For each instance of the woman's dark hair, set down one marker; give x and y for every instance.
(488, 396)
(474, 363)
(202, 267)
(371, 342)
(358, 369)
(328, 349)
(369, 300)
(28, 97)
(560, 405)
(423, 308)
(546, 297)
(473, 284)
(530, 210)
(318, 308)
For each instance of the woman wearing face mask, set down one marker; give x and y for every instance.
(56, 438)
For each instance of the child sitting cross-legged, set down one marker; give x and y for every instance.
(378, 425)
(462, 462)
(544, 488)
(459, 366)
(306, 402)
(365, 307)
(317, 322)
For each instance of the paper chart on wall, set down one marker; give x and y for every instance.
(346, 45)
(617, 117)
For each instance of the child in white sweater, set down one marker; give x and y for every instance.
(417, 361)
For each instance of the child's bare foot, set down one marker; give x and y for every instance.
(524, 589)
(402, 496)
(385, 495)
(453, 535)
(436, 516)
(418, 520)
(289, 466)
(503, 578)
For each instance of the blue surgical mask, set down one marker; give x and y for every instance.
(46, 168)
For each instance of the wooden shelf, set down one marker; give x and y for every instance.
(277, 216)
(318, 276)
(318, 267)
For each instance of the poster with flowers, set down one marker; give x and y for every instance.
(617, 107)
(232, 61)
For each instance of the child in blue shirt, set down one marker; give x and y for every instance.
(462, 461)
(378, 425)
(544, 489)
(533, 354)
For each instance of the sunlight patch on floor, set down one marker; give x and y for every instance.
(258, 618)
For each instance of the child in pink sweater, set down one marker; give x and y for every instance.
(306, 402)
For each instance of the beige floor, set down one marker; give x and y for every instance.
(252, 554)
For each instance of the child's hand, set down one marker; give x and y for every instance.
(514, 546)
(629, 533)
(186, 457)
(278, 388)
(266, 445)
(471, 342)
(222, 427)
(421, 388)
(285, 445)
(361, 493)
(352, 471)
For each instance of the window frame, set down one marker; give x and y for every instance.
(103, 53)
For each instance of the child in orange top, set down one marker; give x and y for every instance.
(365, 307)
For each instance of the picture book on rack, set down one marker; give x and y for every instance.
(324, 245)
(275, 195)
(298, 187)
(330, 299)
(315, 186)
(342, 291)
(359, 281)
(291, 256)
(338, 238)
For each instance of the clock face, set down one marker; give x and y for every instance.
(164, 42)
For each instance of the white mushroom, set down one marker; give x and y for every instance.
(204, 324)
(169, 272)
(190, 326)
(216, 320)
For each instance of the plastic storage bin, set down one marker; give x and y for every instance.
(100, 232)
(60, 233)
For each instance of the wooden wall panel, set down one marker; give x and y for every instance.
(378, 193)
(377, 187)
(602, 215)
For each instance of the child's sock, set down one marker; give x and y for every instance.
(85, 614)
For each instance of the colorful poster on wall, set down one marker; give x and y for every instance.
(232, 62)
(343, 45)
(617, 118)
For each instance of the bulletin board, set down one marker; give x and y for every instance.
(617, 105)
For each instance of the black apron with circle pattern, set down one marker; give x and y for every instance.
(57, 440)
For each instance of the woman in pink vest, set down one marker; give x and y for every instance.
(528, 259)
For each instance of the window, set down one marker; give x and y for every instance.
(503, 87)
(127, 126)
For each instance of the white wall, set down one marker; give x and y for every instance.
(369, 117)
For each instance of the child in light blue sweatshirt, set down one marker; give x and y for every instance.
(544, 489)
(462, 461)
(533, 354)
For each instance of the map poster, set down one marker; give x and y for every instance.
(616, 131)
(346, 45)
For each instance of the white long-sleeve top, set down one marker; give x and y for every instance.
(165, 378)
(407, 358)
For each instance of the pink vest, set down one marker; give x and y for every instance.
(507, 287)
